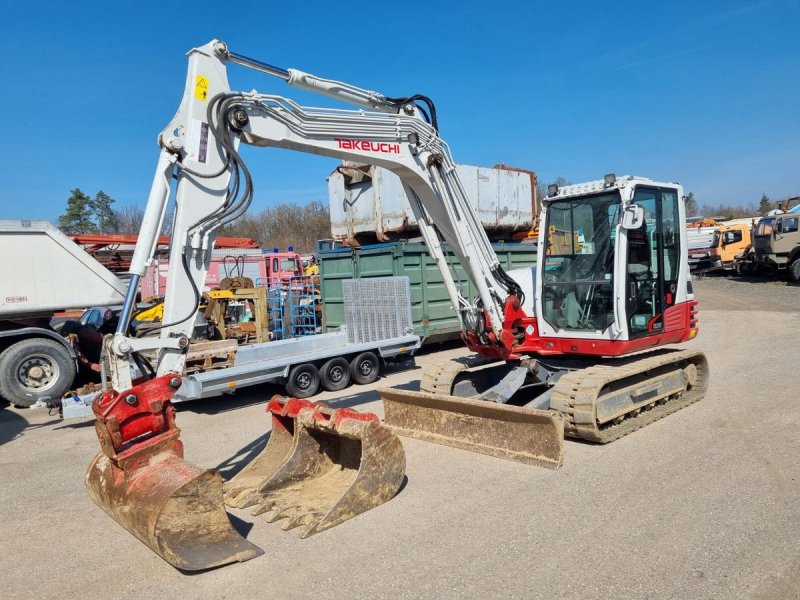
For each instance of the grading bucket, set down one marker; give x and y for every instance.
(141, 480)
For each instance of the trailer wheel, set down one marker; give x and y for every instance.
(335, 374)
(303, 381)
(35, 369)
(364, 368)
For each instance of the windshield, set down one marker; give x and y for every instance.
(579, 262)
(765, 226)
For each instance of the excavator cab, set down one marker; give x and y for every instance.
(623, 271)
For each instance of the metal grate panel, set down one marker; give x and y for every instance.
(377, 308)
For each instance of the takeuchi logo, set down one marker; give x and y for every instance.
(383, 147)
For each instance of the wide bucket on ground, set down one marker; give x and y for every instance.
(525, 435)
(141, 480)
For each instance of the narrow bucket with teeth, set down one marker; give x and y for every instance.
(341, 463)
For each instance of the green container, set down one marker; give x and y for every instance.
(434, 319)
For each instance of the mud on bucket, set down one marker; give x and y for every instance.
(341, 463)
(141, 480)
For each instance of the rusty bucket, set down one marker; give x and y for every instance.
(340, 463)
(141, 480)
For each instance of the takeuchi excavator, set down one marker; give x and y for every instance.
(558, 349)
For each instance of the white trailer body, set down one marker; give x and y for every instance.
(42, 272)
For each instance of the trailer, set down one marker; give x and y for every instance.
(44, 272)
(378, 330)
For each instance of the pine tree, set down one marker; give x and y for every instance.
(765, 206)
(104, 216)
(78, 216)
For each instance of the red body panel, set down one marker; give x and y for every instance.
(680, 325)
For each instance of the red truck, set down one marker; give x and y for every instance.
(263, 267)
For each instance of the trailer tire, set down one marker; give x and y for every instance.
(303, 381)
(364, 368)
(35, 369)
(794, 270)
(335, 374)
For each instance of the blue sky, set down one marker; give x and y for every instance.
(702, 92)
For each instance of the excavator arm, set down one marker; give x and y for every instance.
(322, 465)
(199, 148)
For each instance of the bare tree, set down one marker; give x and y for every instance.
(128, 219)
(284, 225)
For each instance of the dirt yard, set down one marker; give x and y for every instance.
(702, 504)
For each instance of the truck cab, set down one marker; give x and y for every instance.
(282, 266)
(776, 243)
(717, 246)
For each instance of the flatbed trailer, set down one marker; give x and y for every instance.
(378, 330)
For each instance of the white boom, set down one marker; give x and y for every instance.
(199, 149)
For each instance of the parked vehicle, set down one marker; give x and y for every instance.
(44, 273)
(776, 246)
(378, 331)
(264, 268)
(716, 246)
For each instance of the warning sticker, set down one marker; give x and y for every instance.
(201, 88)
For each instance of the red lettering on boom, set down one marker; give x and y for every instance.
(368, 146)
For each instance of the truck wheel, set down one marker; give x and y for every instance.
(794, 270)
(303, 381)
(365, 367)
(35, 369)
(335, 374)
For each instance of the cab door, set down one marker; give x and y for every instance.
(653, 261)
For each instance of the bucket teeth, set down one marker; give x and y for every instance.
(339, 463)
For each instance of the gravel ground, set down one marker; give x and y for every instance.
(702, 504)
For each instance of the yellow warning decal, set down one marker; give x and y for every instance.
(201, 88)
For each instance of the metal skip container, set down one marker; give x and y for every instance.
(369, 204)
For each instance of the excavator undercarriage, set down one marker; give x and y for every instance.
(521, 411)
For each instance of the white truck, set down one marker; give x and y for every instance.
(44, 272)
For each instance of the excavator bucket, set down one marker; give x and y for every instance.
(320, 467)
(241, 486)
(526, 435)
(141, 480)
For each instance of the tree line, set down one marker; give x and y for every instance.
(279, 226)
(300, 225)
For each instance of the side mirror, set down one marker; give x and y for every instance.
(632, 217)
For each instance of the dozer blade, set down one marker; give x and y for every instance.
(526, 435)
(142, 481)
(341, 463)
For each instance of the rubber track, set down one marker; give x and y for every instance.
(439, 378)
(578, 392)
